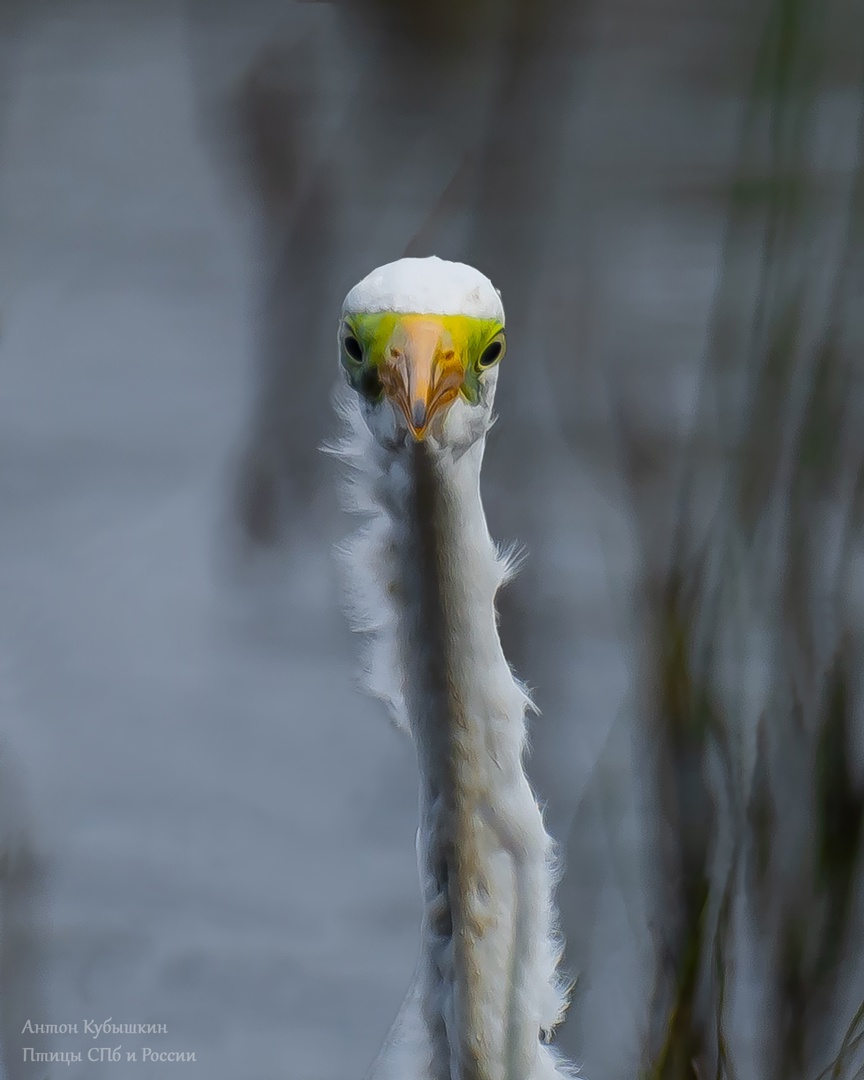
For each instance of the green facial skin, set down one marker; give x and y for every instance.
(479, 344)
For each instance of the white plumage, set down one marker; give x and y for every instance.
(430, 286)
(422, 574)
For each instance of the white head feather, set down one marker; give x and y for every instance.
(429, 286)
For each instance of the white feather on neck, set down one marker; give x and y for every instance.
(512, 854)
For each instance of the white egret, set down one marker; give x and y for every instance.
(420, 341)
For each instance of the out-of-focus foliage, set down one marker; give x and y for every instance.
(759, 835)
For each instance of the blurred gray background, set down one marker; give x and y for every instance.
(203, 823)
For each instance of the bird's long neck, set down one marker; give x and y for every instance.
(488, 967)
(456, 676)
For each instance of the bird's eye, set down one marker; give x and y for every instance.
(491, 354)
(352, 347)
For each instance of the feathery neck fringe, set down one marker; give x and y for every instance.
(423, 577)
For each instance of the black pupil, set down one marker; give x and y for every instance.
(490, 354)
(352, 347)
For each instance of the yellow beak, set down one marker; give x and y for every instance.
(421, 371)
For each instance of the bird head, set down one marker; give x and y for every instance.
(419, 342)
